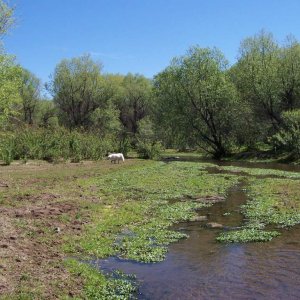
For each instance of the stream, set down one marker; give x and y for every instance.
(201, 268)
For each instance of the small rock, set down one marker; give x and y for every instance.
(57, 230)
(214, 225)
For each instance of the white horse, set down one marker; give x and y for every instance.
(115, 157)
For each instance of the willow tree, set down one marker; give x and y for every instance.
(195, 99)
(77, 90)
(10, 84)
(133, 100)
(256, 77)
(30, 95)
(289, 74)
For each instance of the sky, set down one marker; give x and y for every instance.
(139, 36)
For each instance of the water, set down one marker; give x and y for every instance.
(201, 268)
(243, 164)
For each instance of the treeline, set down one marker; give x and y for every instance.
(198, 102)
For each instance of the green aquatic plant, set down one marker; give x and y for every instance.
(114, 286)
(247, 235)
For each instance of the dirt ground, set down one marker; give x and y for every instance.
(39, 207)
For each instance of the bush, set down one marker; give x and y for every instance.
(149, 150)
(7, 149)
(53, 145)
(147, 146)
(288, 137)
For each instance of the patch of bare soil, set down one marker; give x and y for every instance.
(40, 209)
(29, 249)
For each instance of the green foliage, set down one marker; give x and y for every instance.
(6, 18)
(149, 150)
(46, 114)
(139, 208)
(78, 89)
(30, 95)
(116, 286)
(53, 145)
(10, 83)
(7, 149)
(147, 146)
(274, 201)
(106, 121)
(196, 98)
(134, 99)
(247, 235)
(288, 137)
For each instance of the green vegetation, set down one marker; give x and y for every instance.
(272, 202)
(97, 286)
(261, 172)
(247, 235)
(127, 210)
(124, 210)
(140, 200)
(198, 102)
(52, 146)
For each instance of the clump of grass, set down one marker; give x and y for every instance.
(247, 235)
(273, 201)
(99, 286)
(138, 198)
(262, 172)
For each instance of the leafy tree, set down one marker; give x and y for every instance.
(46, 114)
(30, 94)
(289, 74)
(106, 121)
(256, 77)
(288, 137)
(10, 84)
(133, 100)
(147, 145)
(195, 96)
(78, 89)
(6, 18)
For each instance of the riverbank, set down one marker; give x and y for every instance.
(56, 216)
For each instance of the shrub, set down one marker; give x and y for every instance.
(288, 137)
(7, 149)
(53, 145)
(149, 150)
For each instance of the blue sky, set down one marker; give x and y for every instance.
(140, 36)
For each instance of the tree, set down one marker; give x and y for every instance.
(78, 89)
(133, 100)
(289, 74)
(195, 96)
(10, 84)
(256, 77)
(46, 114)
(6, 18)
(30, 94)
(106, 121)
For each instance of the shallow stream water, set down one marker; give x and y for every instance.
(201, 268)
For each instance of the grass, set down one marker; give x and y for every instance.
(139, 199)
(275, 201)
(271, 202)
(124, 210)
(247, 235)
(262, 172)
